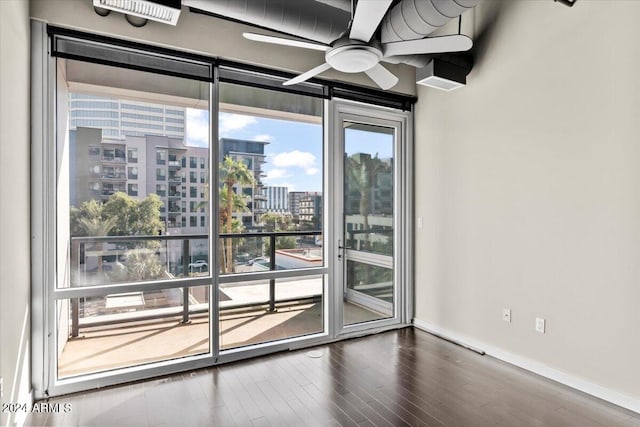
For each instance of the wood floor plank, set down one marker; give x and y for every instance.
(399, 378)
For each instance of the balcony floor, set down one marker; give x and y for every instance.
(102, 348)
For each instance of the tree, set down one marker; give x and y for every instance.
(362, 171)
(238, 204)
(96, 226)
(123, 215)
(232, 172)
(275, 221)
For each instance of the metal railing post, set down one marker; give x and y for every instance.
(185, 291)
(75, 317)
(272, 282)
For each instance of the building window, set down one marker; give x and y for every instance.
(193, 162)
(203, 177)
(193, 206)
(193, 192)
(161, 157)
(132, 189)
(193, 177)
(184, 221)
(132, 172)
(161, 190)
(193, 221)
(132, 155)
(94, 152)
(183, 206)
(203, 222)
(202, 162)
(184, 162)
(161, 174)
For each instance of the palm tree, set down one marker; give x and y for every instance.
(362, 172)
(238, 204)
(232, 172)
(97, 227)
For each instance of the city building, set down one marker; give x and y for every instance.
(251, 153)
(277, 199)
(139, 166)
(310, 208)
(119, 117)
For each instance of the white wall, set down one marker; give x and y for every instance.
(530, 194)
(14, 206)
(205, 35)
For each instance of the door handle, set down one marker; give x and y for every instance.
(340, 249)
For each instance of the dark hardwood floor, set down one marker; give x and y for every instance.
(398, 378)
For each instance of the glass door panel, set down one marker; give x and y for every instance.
(132, 233)
(271, 257)
(368, 222)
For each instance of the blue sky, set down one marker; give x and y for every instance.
(294, 152)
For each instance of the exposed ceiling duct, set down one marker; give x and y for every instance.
(138, 12)
(308, 19)
(415, 19)
(315, 20)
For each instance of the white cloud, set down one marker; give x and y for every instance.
(312, 171)
(301, 159)
(277, 173)
(264, 137)
(197, 127)
(290, 187)
(230, 122)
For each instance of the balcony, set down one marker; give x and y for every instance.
(114, 176)
(133, 328)
(113, 159)
(174, 165)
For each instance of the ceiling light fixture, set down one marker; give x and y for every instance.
(441, 75)
(165, 11)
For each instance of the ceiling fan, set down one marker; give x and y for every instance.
(355, 51)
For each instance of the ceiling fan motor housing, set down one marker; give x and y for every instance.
(354, 58)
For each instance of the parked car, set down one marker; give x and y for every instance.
(199, 266)
(259, 260)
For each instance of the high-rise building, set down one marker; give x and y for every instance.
(119, 118)
(251, 153)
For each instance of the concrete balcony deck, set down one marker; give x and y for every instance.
(244, 321)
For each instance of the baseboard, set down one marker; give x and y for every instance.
(534, 366)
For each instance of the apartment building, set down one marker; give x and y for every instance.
(139, 166)
(251, 153)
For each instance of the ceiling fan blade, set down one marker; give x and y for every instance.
(382, 77)
(305, 76)
(367, 18)
(285, 42)
(455, 43)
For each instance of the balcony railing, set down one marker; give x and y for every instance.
(106, 260)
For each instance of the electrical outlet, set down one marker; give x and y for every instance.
(506, 315)
(540, 325)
